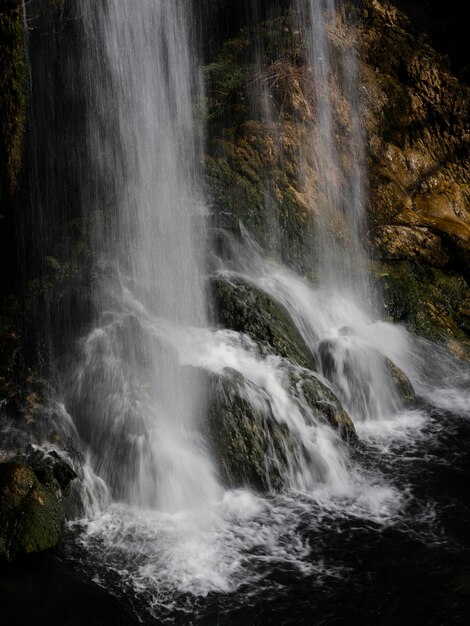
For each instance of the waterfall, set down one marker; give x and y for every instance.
(337, 144)
(346, 339)
(136, 407)
(137, 396)
(229, 462)
(336, 312)
(247, 453)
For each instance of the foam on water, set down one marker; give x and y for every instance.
(234, 543)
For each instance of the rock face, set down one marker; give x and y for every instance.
(13, 79)
(419, 157)
(31, 517)
(263, 166)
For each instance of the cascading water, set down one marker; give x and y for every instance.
(337, 145)
(135, 405)
(137, 394)
(347, 354)
(337, 319)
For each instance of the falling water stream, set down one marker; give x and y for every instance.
(162, 534)
(136, 406)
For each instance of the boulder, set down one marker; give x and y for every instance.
(402, 384)
(249, 445)
(31, 516)
(253, 447)
(244, 308)
(356, 370)
(324, 403)
(35, 499)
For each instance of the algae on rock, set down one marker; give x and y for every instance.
(255, 447)
(241, 307)
(31, 517)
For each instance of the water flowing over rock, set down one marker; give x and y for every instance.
(243, 308)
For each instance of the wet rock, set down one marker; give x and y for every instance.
(416, 109)
(360, 370)
(241, 307)
(51, 469)
(255, 447)
(414, 243)
(249, 446)
(324, 403)
(427, 300)
(402, 384)
(31, 517)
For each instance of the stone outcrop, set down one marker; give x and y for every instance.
(251, 446)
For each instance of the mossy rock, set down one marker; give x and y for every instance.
(402, 384)
(241, 307)
(430, 302)
(31, 517)
(249, 447)
(51, 469)
(254, 167)
(323, 402)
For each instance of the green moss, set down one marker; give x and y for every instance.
(249, 448)
(235, 68)
(297, 228)
(324, 404)
(253, 165)
(427, 300)
(31, 517)
(244, 308)
(252, 448)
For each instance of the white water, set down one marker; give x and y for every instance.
(334, 325)
(336, 149)
(236, 541)
(134, 405)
